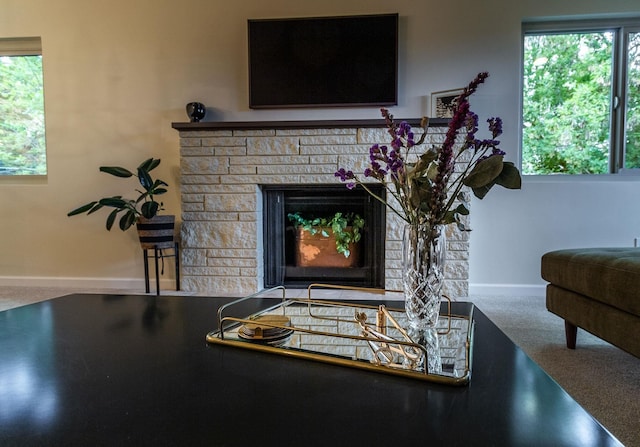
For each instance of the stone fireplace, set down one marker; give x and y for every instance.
(226, 166)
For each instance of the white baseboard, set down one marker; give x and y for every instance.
(507, 289)
(169, 284)
(83, 283)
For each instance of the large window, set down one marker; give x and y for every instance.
(22, 137)
(581, 97)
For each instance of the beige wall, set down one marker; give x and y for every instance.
(118, 73)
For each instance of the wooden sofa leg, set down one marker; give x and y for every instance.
(571, 331)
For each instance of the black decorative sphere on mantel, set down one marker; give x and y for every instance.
(196, 111)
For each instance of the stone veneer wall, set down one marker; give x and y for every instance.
(222, 168)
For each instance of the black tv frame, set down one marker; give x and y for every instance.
(283, 75)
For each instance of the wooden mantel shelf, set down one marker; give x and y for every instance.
(323, 124)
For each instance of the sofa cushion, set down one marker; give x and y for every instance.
(608, 275)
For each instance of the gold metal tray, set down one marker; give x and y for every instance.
(352, 334)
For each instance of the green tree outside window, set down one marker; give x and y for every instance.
(577, 87)
(22, 129)
(632, 137)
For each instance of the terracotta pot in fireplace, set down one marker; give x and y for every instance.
(316, 250)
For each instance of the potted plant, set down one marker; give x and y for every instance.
(153, 230)
(327, 241)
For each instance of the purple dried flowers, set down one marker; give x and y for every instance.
(426, 186)
(346, 176)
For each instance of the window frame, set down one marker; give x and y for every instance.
(27, 46)
(621, 28)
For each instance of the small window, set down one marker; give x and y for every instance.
(632, 119)
(22, 127)
(580, 98)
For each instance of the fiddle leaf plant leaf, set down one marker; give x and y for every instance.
(114, 202)
(111, 218)
(145, 179)
(127, 220)
(89, 207)
(149, 164)
(149, 209)
(116, 171)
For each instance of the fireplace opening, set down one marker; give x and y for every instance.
(321, 200)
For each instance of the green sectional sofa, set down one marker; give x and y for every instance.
(598, 290)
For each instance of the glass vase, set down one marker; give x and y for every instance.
(428, 338)
(423, 259)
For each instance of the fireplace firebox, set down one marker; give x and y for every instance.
(316, 200)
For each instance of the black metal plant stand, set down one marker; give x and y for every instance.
(158, 253)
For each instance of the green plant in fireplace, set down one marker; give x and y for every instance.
(346, 228)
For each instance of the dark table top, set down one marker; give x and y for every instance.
(136, 370)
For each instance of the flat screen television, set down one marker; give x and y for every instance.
(323, 61)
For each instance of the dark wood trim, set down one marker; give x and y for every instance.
(322, 124)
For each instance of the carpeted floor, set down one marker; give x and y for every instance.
(602, 378)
